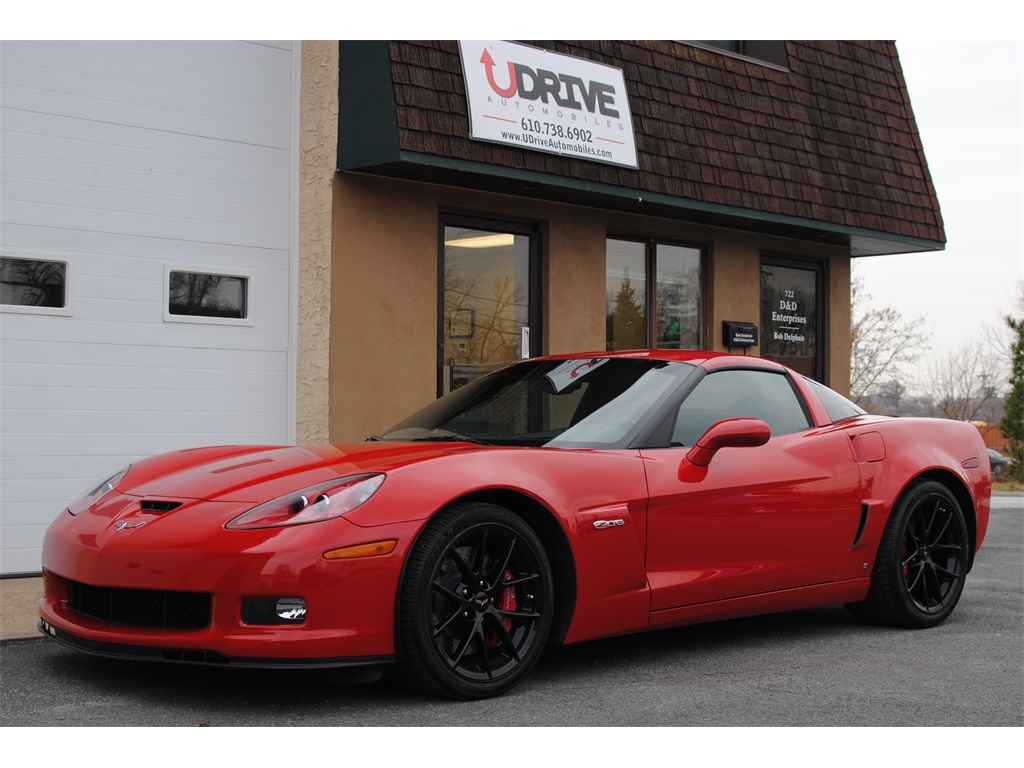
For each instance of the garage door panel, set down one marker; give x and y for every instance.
(128, 159)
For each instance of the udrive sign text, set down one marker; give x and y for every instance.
(548, 102)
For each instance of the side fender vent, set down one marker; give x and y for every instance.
(864, 509)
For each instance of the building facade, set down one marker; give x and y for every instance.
(301, 242)
(745, 176)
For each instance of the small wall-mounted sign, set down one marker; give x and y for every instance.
(737, 334)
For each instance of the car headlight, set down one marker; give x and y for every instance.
(96, 493)
(311, 505)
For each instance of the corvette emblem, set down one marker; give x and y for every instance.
(121, 525)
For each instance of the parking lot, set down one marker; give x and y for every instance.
(807, 668)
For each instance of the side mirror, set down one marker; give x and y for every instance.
(731, 433)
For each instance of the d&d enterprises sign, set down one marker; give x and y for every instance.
(535, 99)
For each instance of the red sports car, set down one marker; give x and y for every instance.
(553, 501)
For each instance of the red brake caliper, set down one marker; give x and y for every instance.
(508, 598)
(508, 603)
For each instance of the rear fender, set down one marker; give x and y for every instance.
(894, 454)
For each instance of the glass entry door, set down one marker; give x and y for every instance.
(791, 314)
(487, 300)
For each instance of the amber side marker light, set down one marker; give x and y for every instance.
(362, 550)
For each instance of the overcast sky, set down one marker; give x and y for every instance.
(967, 97)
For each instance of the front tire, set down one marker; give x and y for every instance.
(475, 603)
(922, 561)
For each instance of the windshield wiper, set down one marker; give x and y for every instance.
(450, 438)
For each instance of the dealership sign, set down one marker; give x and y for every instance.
(535, 99)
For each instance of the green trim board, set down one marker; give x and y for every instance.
(511, 181)
(367, 117)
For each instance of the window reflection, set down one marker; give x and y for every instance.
(677, 298)
(580, 403)
(625, 295)
(207, 295)
(485, 317)
(33, 282)
(667, 317)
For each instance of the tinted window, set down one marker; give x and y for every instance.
(598, 403)
(837, 406)
(733, 394)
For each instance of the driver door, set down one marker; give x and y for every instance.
(756, 519)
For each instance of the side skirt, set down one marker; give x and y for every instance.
(817, 596)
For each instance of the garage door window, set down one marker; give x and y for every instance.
(37, 286)
(208, 297)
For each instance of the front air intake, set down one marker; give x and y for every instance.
(141, 607)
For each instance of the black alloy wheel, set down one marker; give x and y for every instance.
(922, 560)
(474, 608)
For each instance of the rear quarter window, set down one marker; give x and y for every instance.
(837, 406)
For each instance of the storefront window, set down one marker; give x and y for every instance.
(639, 314)
(626, 295)
(487, 311)
(677, 297)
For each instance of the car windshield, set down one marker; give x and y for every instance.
(579, 403)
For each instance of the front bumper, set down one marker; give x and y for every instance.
(350, 604)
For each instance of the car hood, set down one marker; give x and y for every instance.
(256, 474)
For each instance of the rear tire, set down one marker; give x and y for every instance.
(475, 603)
(922, 561)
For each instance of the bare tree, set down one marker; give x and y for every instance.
(963, 387)
(882, 342)
(891, 395)
(999, 337)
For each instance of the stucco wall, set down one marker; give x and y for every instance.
(318, 152)
(837, 350)
(383, 323)
(574, 285)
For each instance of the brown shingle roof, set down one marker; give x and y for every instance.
(832, 140)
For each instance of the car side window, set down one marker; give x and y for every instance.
(740, 393)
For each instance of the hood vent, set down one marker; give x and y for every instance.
(150, 505)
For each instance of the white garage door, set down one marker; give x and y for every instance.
(145, 238)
